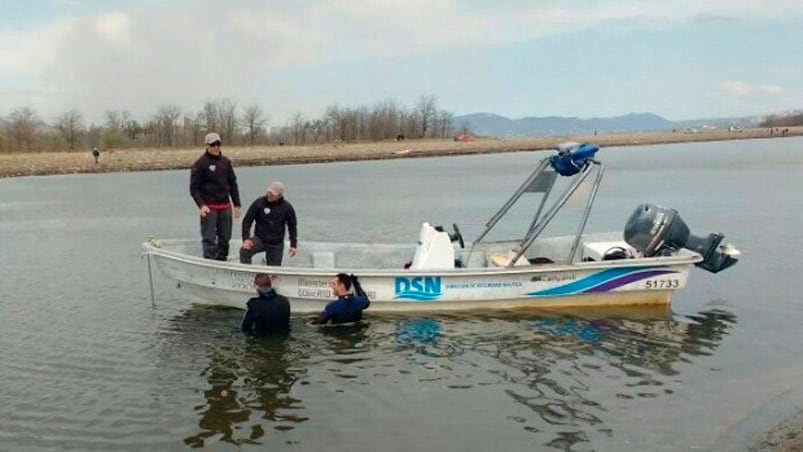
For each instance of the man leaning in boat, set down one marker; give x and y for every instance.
(270, 214)
(348, 307)
(213, 186)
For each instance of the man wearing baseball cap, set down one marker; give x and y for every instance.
(270, 215)
(213, 186)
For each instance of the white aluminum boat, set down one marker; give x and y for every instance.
(641, 266)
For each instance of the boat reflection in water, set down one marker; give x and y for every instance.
(249, 378)
(557, 376)
(554, 364)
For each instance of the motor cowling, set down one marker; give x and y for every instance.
(658, 231)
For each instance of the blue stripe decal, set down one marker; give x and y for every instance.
(417, 296)
(591, 281)
(627, 279)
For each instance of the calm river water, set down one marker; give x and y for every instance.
(86, 363)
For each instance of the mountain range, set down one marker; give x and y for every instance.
(490, 124)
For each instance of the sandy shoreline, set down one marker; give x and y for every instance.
(13, 164)
(787, 436)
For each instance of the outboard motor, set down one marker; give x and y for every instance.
(659, 231)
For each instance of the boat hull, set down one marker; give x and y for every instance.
(586, 284)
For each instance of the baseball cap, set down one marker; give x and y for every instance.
(211, 137)
(277, 188)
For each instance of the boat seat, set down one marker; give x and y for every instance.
(323, 259)
(503, 259)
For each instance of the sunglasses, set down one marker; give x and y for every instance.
(215, 144)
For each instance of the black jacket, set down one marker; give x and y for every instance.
(270, 219)
(266, 313)
(212, 181)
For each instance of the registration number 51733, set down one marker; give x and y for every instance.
(662, 283)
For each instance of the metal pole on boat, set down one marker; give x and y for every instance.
(587, 211)
(503, 210)
(150, 279)
(547, 192)
(528, 240)
(494, 219)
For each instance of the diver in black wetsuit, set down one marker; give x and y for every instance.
(348, 307)
(269, 311)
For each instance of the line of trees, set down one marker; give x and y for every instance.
(783, 121)
(24, 130)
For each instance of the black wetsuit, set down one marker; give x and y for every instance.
(345, 309)
(267, 313)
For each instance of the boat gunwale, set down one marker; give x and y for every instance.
(687, 258)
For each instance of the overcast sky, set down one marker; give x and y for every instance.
(682, 59)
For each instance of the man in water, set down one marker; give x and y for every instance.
(213, 186)
(271, 214)
(267, 312)
(348, 307)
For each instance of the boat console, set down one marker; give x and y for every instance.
(434, 250)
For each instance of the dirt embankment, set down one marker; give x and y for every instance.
(784, 437)
(33, 163)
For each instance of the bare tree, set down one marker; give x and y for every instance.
(228, 119)
(219, 116)
(22, 125)
(113, 120)
(297, 124)
(192, 130)
(426, 110)
(130, 126)
(254, 121)
(209, 117)
(318, 129)
(165, 125)
(332, 118)
(383, 122)
(113, 136)
(71, 126)
(443, 124)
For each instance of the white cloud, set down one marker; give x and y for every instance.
(29, 52)
(771, 89)
(114, 27)
(140, 57)
(743, 89)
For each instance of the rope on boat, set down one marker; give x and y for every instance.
(150, 279)
(155, 243)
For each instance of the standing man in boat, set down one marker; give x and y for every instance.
(271, 214)
(348, 307)
(213, 186)
(268, 312)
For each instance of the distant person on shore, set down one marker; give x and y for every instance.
(267, 312)
(213, 186)
(95, 154)
(347, 308)
(270, 214)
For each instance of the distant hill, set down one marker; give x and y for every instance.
(499, 126)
